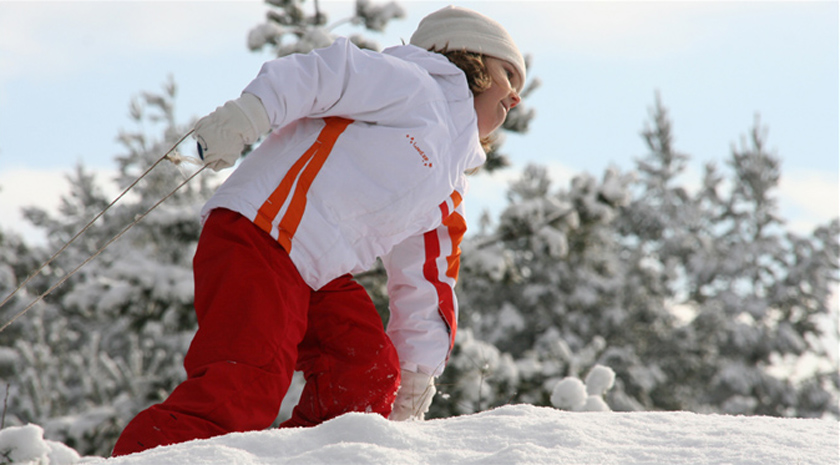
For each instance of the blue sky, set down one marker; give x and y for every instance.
(68, 71)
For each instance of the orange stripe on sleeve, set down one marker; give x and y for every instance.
(456, 199)
(457, 227)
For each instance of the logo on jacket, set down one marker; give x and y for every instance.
(413, 143)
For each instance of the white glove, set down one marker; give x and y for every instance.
(414, 396)
(223, 134)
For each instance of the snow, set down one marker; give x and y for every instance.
(25, 444)
(599, 380)
(570, 394)
(507, 435)
(584, 396)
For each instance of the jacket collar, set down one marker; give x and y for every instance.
(453, 84)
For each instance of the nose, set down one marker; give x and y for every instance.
(513, 99)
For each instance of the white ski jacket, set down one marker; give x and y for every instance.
(366, 159)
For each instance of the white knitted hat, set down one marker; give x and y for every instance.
(458, 28)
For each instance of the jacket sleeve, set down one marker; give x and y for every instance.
(340, 80)
(422, 271)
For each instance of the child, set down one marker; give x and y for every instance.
(365, 160)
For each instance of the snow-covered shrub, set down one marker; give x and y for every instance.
(26, 445)
(477, 377)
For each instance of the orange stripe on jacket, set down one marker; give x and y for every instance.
(300, 176)
(456, 227)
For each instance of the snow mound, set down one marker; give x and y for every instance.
(599, 380)
(26, 445)
(569, 394)
(573, 394)
(518, 434)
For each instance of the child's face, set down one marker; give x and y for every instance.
(493, 104)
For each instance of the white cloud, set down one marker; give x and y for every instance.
(21, 188)
(69, 37)
(24, 187)
(809, 198)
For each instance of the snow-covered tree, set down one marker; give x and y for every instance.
(289, 29)
(545, 288)
(692, 298)
(752, 292)
(110, 340)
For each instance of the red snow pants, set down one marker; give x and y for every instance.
(258, 321)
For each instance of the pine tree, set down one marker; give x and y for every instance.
(17, 261)
(755, 292)
(110, 341)
(693, 299)
(306, 32)
(544, 289)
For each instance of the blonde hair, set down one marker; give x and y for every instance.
(478, 78)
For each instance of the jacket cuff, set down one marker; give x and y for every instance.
(254, 110)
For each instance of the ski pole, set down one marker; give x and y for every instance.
(166, 156)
